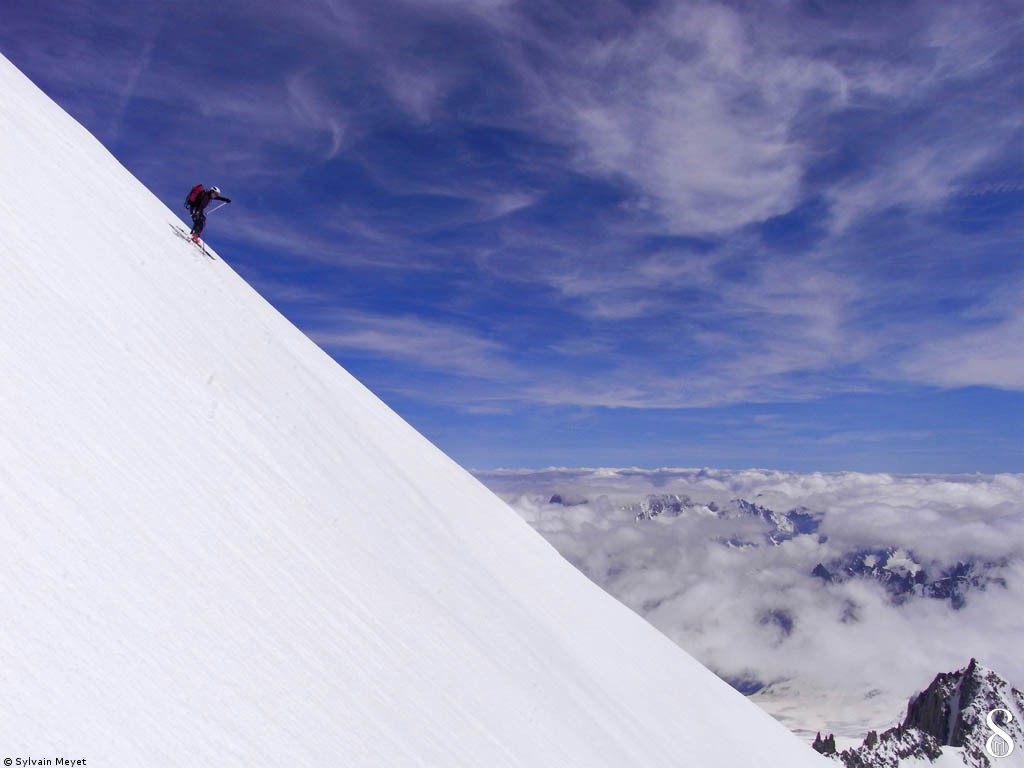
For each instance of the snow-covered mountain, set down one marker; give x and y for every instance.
(778, 526)
(829, 599)
(947, 724)
(220, 549)
(905, 576)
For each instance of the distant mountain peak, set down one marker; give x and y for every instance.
(952, 711)
(780, 526)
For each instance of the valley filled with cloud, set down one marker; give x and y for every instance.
(829, 598)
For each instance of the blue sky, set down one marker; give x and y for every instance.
(781, 234)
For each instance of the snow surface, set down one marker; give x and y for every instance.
(218, 548)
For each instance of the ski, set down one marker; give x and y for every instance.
(180, 232)
(202, 247)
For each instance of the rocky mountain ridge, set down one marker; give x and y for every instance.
(954, 715)
(905, 576)
(781, 526)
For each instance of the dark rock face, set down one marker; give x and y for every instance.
(931, 710)
(892, 747)
(566, 501)
(954, 708)
(826, 746)
(952, 711)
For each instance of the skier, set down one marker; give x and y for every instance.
(197, 203)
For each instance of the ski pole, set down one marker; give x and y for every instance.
(215, 209)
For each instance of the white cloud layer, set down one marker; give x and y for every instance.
(837, 657)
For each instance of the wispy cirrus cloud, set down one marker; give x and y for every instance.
(647, 206)
(316, 112)
(685, 108)
(987, 355)
(431, 345)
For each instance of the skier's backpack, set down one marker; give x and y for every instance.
(191, 199)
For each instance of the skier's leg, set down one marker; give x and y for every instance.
(198, 222)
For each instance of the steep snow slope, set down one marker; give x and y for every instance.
(217, 548)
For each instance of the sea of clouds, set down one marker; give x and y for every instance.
(836, 657)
